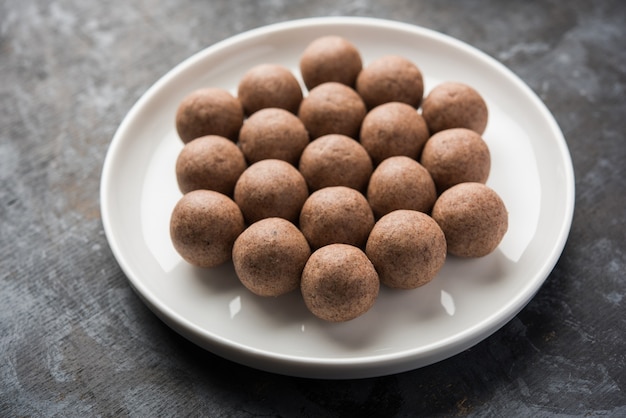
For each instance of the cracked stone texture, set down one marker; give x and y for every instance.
(76, 341)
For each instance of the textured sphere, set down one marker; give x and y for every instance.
(330, 58)
(273, 133)
(454, 156)
(210, 162)
(391, 78)
(393, 129)
(336, 215)
(209, 111)
(339, 283)
(269, 257)
(271, 188)
(455, 105)
(473, 218)
(335, 160)
(204, 226)
(407, 248)
(332, 108)
(269, 85)
(401, 183)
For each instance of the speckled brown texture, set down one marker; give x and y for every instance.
(330, 58)
(336, 215)
(209, 111)
(335, 160)
(339, 283)
(210, 162)
(203, 227)
(455, 105)
(391, 78)
(401, 183)
(332, 108)
(393, 129)
(457, 155)
(271, 188)
(407, 248)
(273, 133)
(269, 85)
(269, 257)
(473, 218)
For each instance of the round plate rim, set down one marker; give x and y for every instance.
(339, 368)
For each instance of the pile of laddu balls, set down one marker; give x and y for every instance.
(358, 182)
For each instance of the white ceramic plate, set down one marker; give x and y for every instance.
(467, 301)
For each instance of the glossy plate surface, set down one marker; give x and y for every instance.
(467, 302)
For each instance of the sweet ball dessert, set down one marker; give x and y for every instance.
(271, 188)
(473, 218)
(269, 257)
(393, 128)
(455, 105)
(209, 111)
(330, 58)
(401, 182)
(454, 156)
(407, 248)
(336, 214)
(335, 160)
(204, 226)
(210, 162)
(358, 182)
(391, 78)
(273, 133)
(269, 85)
(332, 108)
(339, 283)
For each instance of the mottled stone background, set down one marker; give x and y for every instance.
(76, 341)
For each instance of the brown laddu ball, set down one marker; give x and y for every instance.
(330, 58)
(269, 257)
(335, 160)
(407, 249)
(336, 214)
(455, 105)
(473, 218)
(391, 78)
(391, 129)
(273, 133)
(210, 162)
(401, 183)
(269, 85)
(339, 283)
(332, 108)
(204, 226)
(271, 188)
(454, 156)
(209, 111)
